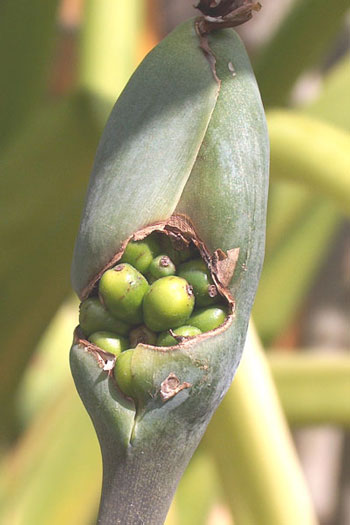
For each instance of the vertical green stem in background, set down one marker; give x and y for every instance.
(333, 104)
(53, 474)
(250, 442)
(109, 43)
(313, 152)
(314, 387)
(290, 269)
(288, 202)
(300, 42)
(26, 42)
(43, 172)
(198, 490)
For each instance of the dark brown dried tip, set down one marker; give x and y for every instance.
(219, 14)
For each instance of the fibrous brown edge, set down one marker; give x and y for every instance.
(225, 13)
(220, 15)
(181, 230)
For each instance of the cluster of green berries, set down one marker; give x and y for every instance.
(154, 293)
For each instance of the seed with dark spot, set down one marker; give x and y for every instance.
(161, 266)
(164, 261)
(198, 275)
(212, 290)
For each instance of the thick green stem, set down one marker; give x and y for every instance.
(109, 45)
(255, 456)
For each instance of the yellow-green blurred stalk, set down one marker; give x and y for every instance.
(254, 453)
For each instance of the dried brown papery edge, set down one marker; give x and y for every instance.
(181, 230)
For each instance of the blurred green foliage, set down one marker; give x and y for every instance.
(50, 466)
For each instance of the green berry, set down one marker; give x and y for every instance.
(109, 342)
(141, 253)
(161, 266)
(122, 290)
(166, 339)
(122, 373)
(197, 274)
(208, 318)
(168, 303)
(93, 317)
(142, 334)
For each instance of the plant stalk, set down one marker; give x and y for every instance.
(314, 388)
(255, 456)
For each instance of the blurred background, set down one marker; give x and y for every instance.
(63, 64)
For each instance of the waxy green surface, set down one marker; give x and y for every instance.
(186, 150)
(154, 444)
(147, 150)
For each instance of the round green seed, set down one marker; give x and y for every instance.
(142, 334)
(166, 339)
(109, 342)
(197, 274)
(208, 318)
(168, 303)
(93, 317)
(141, 253)
(161, 266)
(122, 290)
(122, 373)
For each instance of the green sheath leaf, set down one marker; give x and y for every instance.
(187, 151)
(147, 150)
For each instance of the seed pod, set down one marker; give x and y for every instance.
(185, 152)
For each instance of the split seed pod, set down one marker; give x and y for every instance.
(185, 152)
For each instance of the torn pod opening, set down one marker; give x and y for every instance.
(162, 289)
